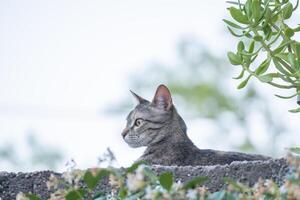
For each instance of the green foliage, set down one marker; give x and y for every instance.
(295, 150)
(192, 184)
(166, 180)
(236, 185)
(137, 184)
(76, 194)
(134, 166)
(92, 178)
(32, 197)
(262, 23)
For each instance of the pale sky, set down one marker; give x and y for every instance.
(61, 62)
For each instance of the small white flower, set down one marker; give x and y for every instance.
(149, 192)
(177, 185)
(52, 182)
(21, 196)
(191, 194)
(115, 181)
(140, 172)
(134, 182)
(73, 177)
(282, 189)
(68, 177)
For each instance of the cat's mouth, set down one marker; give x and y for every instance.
(132, 140)
(132, 144)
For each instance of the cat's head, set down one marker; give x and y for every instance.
(148, 121)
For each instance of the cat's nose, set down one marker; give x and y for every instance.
(125, 132)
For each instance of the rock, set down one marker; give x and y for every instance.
(247, 172)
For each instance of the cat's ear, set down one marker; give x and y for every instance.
(138, 99)
(162, 98)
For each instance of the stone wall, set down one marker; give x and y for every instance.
(246, 172)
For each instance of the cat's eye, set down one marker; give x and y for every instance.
(138, 122)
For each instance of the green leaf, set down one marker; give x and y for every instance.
(297, 29)
(251, 46)
(287, 11)
(274, 18)
(247, 34)
(150, 174)
(295, 150)
(267, 31)
(266, 78)
(258, 38)
(195, 182)
(289, 32)
(232, 196)
(234, 59)
(244, 83)
(247, 60)
(240, 75)
(263, 67)
(32, 196)
(295, 110)
(297, 67)
(166, 180)
(251, 54)
(247, 8)
(135, 165)
(285, 78)
(283, 56)
(296, 49)
(279, 67)
(240, 46)
(233, 33)
(75, 194)
(91, 180)
(286, 97)
(292, 61)
(239, 187)
(281, 47)
(122, 193)
(99, 195)
(234, 25)
(253, 58)
(268, 15)
(238, 15)
(256, 10)
(217, 195)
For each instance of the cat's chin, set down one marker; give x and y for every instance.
(132, 145)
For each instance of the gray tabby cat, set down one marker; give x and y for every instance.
(159, 127)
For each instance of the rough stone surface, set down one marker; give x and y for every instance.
(246, 172)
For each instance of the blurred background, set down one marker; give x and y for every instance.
(66, 68)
